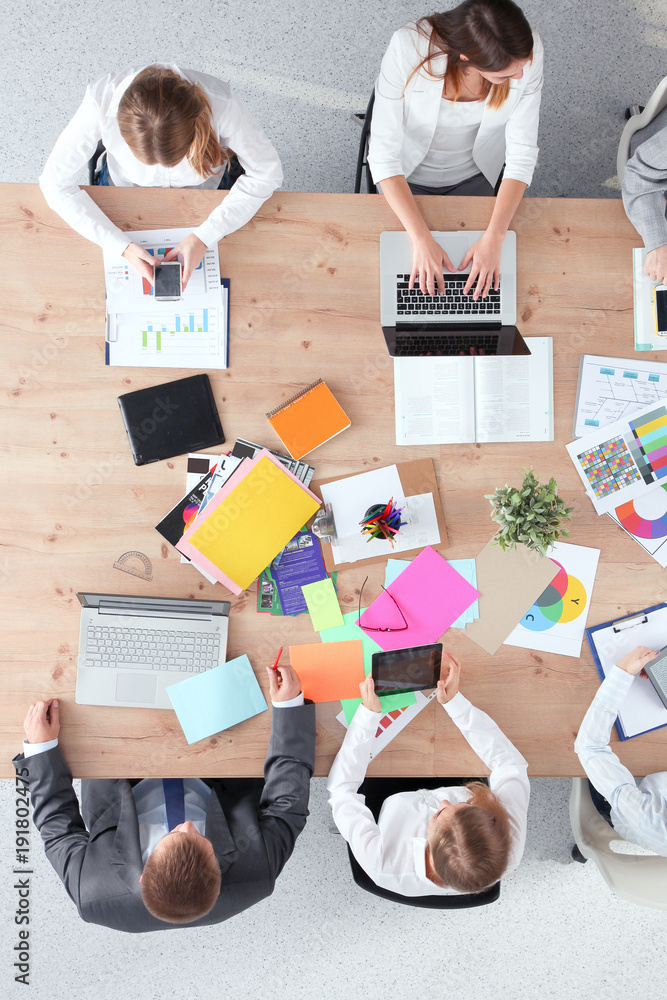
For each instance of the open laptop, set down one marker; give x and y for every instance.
(132, 648)
(451, 324)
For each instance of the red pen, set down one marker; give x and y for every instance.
(280, 653)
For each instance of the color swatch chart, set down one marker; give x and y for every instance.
(649, 447)
(608, 467)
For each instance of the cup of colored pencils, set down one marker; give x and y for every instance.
(382, 520)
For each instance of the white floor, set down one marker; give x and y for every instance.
(302, 68)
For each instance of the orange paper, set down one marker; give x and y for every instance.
(329, 671)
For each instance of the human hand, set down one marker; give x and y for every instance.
(427, 260)
(484, 259)
(42, 723)
(141, 259)
(637, 659)
(655, 265)
(284, 683)
(191, 251)
(450, 673)
(368, 696)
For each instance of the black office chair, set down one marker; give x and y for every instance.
(235, 169)
(376, 790)
(362, 157)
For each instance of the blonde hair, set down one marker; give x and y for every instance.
(164, 118)
(181, 880)
(491, 33)
(470, 849)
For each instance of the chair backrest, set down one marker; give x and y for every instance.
(641, 880)
(362, 155)
(457, 901)
(92, 162)
(656, 103)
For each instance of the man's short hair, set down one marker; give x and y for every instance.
(181, 879)
(470, 848)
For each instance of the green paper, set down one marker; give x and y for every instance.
(345, 633)
(322, 605)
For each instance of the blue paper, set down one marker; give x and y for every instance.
(468, 570)
(217, 699)
(393, 569)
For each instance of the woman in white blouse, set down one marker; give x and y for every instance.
(162, 127)
(461, 838)
(457, 97)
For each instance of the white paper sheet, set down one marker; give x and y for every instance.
(556, 623)
(390, 726)
(350, 498)
(422, 529)
(612, 388)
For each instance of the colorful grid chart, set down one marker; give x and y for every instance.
(649, 447)
(609, 467)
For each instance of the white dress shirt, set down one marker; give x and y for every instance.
(449, 158)
(392, 851)
(96, 119)
(638, 813)
(407, 108)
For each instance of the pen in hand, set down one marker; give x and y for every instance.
(280, 653)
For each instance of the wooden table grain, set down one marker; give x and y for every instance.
(304, 305)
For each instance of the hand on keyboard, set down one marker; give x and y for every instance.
(428, 259)
(484, 260)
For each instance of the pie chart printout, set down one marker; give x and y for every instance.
(562, 601)
(645, 517)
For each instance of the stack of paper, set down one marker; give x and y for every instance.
(466, 567)
(252, 517)
(192, 332)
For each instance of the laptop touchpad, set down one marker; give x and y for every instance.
(139, 688)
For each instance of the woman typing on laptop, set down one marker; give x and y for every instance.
(162, 127)
(457, 97)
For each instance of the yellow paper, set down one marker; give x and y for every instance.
(323, 606)
(251, 525)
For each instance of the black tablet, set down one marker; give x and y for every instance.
(171, 419)
(407, 669)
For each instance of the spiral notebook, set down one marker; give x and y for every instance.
(308, 419)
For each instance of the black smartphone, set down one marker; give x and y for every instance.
(412, 669)
(167, 283)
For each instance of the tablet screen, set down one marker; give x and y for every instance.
(407, 669)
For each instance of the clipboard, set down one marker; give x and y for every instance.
(609, 643)
(416, 478)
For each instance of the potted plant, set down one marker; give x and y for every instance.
(531, 515)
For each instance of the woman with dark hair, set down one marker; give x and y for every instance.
(162, 127)
(458, 838)
(457, 97)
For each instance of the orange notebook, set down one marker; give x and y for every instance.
(309, 419)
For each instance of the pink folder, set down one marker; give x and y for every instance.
(431, 595)
(239, 474)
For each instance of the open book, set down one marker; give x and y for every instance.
(463, 400)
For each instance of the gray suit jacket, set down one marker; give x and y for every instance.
(645, 183)
(252, 827)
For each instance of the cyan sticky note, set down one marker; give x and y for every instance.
(217, 699)
(348, 631)
(322, 604)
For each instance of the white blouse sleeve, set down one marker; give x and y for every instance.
(508, 778)
(521, 147)
(387, 128)
(263, 174)
(59, 180)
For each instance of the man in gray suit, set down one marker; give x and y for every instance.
(644, 191)
(151, 854)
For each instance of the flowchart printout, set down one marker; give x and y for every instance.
(613, 388)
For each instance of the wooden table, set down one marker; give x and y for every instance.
(305, 304)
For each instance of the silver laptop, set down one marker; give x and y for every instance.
(132, 648)
(452, 323)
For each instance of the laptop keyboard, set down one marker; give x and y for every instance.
(446, 346)
(411, 301)
(160, 649)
